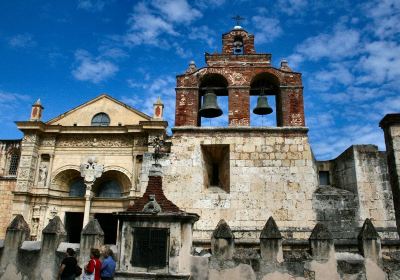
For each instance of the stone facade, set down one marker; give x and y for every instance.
(333, 219)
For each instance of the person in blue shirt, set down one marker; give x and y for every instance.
(108, 265)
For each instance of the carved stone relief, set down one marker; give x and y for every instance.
(79, 141)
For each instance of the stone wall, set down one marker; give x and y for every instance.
(7, 186)
(272, 173)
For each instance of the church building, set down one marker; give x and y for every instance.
(97, 161)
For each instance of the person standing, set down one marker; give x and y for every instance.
(94, 264)
(108, 266)
(68, 266)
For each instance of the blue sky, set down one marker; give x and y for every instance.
(68, 52)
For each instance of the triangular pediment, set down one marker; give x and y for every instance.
(118, 113)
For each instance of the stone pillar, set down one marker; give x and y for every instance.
(290, 108)
(271, 242)
(222, 241)
(391, 128)
(90, 171)
(17, 232)
(92, 236)
(187, 240)
(88, 198)
(239, 106)
(187, 107)
(324, 263)
(321, 243)
(369, 242)
(52, 235)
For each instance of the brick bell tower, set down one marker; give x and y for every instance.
(239, 72)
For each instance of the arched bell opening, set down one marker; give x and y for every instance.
(213, 105)
(265, 100)
(111, 184)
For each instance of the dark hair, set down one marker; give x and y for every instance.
(70, 252)
(95, 252)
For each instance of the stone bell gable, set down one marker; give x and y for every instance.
(239, 72)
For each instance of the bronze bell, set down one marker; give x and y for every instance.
(209, 108)
(262, 107)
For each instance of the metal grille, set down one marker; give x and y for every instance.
(150, 247)
(14, 160)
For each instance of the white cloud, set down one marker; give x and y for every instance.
(147, 28)
(341, 44)
(260, 23)
(177, 11)
(385, 16)
(203, 33)
(10, 107)
(291, 7)
(335, 74)
(22, 41)
(381, 62)
(91, 69)
(163, 87)
(91, 5)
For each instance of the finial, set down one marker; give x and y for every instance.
(192, 67)
(38, 102)
(238, 19)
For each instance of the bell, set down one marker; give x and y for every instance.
(262, 107)
(237, 47)
(209, 108)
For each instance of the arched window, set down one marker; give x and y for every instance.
(110, 189)
(77, 188)
(101, 119)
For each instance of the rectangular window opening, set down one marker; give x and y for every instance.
(324, 178)
(216, 166)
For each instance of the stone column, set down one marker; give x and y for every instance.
(239, 106)
(222, 241)
(92, 236)
(271, 242)
(52, 235)
(88, 198)
(391, 128)
(90, 171)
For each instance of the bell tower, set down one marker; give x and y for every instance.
(239, 72)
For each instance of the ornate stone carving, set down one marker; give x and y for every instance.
(152, 206)
(48, 141)
(91, 170)
(81, 141)
(29, 138)
(43, 170)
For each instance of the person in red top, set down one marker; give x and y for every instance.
(94, 263)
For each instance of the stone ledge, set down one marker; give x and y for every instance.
(241, 129)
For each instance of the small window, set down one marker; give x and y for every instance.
(216, 166)
(150, 247)
(14, 160)
(101, 119)
(324, 178)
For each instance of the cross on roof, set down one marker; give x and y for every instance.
(238, 19)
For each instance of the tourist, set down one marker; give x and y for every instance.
(94, 265)
(68, 266)
(108, 266)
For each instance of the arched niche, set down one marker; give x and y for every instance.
(112, 184)
(267, 84)
(69, 182)
(219, 85)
